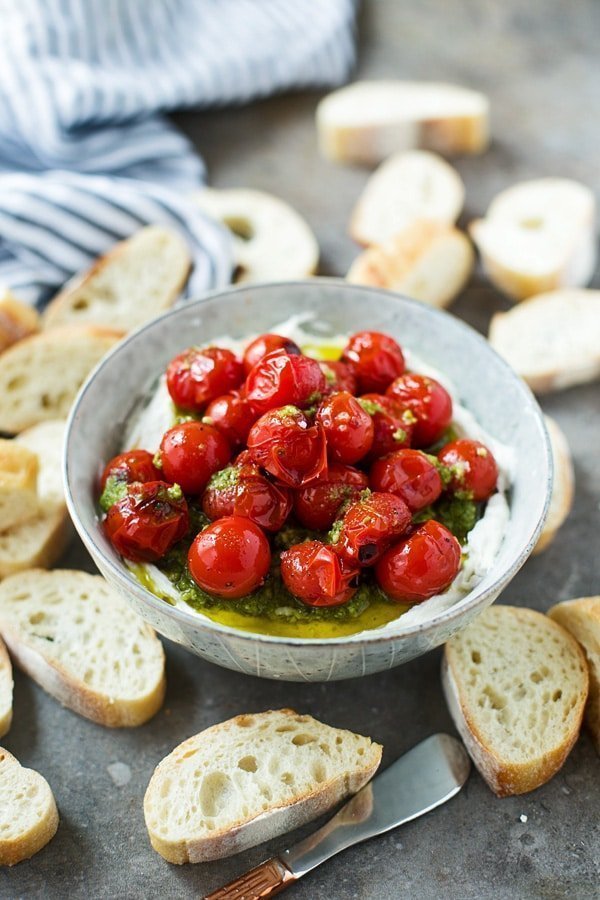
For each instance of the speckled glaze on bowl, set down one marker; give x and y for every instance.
(486, 385)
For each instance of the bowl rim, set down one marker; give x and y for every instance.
(182, 616)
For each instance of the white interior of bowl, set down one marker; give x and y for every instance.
(500, 401)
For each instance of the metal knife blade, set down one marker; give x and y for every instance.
(425, 777)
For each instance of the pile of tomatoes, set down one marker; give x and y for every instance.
(279, 437)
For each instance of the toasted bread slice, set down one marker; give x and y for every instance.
(40, 376)
(17, 320)
(138, 280)
(563, 488)
(369, 120)
(516, 684)
(272, 242)
(581, 618)
(83, 644)
(538, 236)
(405, 188)
(28, 814)
(18, 484)
(249, 779)
(6, 690)
(428, 261)
(552, 340)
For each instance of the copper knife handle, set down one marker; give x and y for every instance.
(265, 880)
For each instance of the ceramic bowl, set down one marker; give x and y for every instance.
(487, 386)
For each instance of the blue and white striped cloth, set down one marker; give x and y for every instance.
(86, 156)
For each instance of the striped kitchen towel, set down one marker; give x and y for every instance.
(86, 156)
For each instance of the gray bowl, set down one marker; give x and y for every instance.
(487, 386)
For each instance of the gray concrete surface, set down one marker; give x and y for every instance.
(540, 65)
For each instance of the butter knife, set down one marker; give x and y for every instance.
(425, 777)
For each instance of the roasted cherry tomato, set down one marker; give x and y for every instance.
(339, 376)
(265, 344)
(408, 474)
(148, 521)
(244, 490)
(230, 558)
(232, 415)
(369, 527)
(420, 566)
(392, 425)
(191, 452)
(281, 379)
(196, 377)
(317, 505)
(314, 573)
(134, 465)
(430, 403)
(377, 359)
(348, 428)
(286, 445)
(473, 467)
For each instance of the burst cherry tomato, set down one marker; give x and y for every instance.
(244, 490)
(286, 445)
(339, 376)
(316, 505)
(148, 521)
(191, 452)
(392, 426)
(230, 558)
(348, 428)
(134, 465)
(265, 344)
(232, 415)
(420, 566)
(281, 379)
(314, 573)
(430, 403)
(369, 527)
(196, 377)
(408, 474)
(377, 359)
(474, 469)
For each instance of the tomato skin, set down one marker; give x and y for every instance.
(392, 425)
(230, 558)
(265, 344)
(430, 403)
(408, 474)
(369, 527)
(232, 415)
(348, 428)
(314, 573)
(282, 380)
(247, 491)
(377, 359)
(133, 465)
(316, 505)
(195, 377)
(190, 453)
(340, 376)
(421, 565)
(474, 469)
(284, 443)
(148, 521)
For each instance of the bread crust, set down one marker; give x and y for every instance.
(17, 320)
(563, 489)
(24, 846)
(6, 711)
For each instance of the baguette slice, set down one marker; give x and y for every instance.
(40, 376)
(552, 340)
(563, 488)
(516, 685)
(249, 779)
(538, 236)
(28, 814)
(17, 320)
(405, 188)
(18, 484)
(47, 440)
(369, 120)
(428, 261)
(84, 645)
(272, 242)
(582, 619)
(6, 690)
(133, 283)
